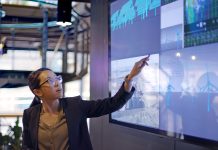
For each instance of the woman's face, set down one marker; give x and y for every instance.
(50, 86)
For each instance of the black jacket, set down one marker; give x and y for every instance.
(76, 111)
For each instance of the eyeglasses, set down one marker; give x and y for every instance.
(52, 81)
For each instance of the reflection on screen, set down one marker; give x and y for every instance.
(178, 92)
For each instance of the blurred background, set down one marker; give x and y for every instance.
(31, 38)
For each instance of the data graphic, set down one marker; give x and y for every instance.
(135, 15)
(164, 2)
(129, 11)
(201, 22)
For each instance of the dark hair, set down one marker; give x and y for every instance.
(33, 82)
(35, 101)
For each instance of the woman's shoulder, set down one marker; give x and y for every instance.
(71, 102)
(33, 108)
(72, 98)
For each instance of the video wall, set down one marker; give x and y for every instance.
(177, 94)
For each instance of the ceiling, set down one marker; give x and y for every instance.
(23, 25)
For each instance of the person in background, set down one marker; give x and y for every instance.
(57, 123)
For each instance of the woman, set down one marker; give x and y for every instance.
(60, 123)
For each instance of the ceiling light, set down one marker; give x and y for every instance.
(64, 12)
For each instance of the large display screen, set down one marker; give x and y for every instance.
(177, 94)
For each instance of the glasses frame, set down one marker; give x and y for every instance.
(56, 78)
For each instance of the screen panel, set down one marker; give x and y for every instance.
(177, 94)
(133, 24)
(201, 22)
(143, 107)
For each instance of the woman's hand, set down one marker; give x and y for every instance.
(137, 68)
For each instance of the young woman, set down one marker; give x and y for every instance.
(57, 123)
